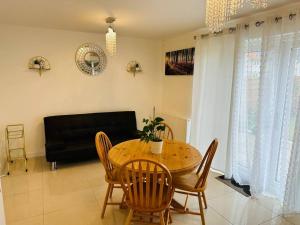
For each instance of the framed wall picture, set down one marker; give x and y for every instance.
(180, 62)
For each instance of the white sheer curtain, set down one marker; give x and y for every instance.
(263, 145)
(212, 83)
(292, 192)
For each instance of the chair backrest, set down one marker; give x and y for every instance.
(147, 185)
(204, 167)
(166, 134)
(103, 145)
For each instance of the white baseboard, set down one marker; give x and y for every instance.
(217, 171)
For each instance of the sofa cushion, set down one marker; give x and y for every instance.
(81, 133)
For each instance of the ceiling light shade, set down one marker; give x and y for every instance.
(234, 6)
(216, 14)
(219, 12)
(111, 37)
(259, 3)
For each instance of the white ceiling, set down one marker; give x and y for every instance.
(140, 18)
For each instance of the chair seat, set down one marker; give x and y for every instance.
(188, 182)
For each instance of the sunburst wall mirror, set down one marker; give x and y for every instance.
(90, 59)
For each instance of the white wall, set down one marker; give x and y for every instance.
(177, 90)
(176, 97)
(27, 98)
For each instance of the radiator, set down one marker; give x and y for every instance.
(181, 126)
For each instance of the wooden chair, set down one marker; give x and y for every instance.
(194, 184)
(148, 189)
(103, 145)
(166, 134)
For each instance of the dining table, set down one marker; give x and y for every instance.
(179, 157)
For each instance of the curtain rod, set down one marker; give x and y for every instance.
(229, 30)
(246, 26)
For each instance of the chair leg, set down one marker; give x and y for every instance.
(129, 217)
(186, 201)
(167, 214)
(204, 199)
(201, 209)
(105, 200)
(170, 217)
(123, 203)
(162, 219)
(111, 191)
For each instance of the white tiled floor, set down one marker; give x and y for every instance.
(73, 195)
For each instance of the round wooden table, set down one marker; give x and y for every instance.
(178, 157)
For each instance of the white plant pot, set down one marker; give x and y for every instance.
(156, 147)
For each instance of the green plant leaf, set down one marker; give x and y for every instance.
(158, 119)
(160, 127)
(150, 129)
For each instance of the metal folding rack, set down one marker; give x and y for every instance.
(15, 138)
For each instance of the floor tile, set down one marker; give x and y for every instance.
(17, 184)
(271, 204)
(277, 221)
(240, 210)
(100, 192)
(294, 219)
(73, 216)
(23, 206)
(64, 181)
(82, 198)
(211, 218)
(113, 216)
(74, 194)
(37, 220)
(216, 188)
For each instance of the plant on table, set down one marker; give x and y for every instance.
(151, 129)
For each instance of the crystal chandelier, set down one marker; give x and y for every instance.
(219, 12)
(111, 37)
(234, 6)
(216, 14)
(259, 3)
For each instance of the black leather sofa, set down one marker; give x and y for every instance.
(72, 137)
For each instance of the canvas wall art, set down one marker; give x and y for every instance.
(180, 62)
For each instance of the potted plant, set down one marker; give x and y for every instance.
(150, 133)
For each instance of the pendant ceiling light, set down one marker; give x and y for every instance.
(234, 6)
(259, 3)
(219, 12)
(216, 14)
(111, 37)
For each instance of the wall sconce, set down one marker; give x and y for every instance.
(39, 63)
(134, 67)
